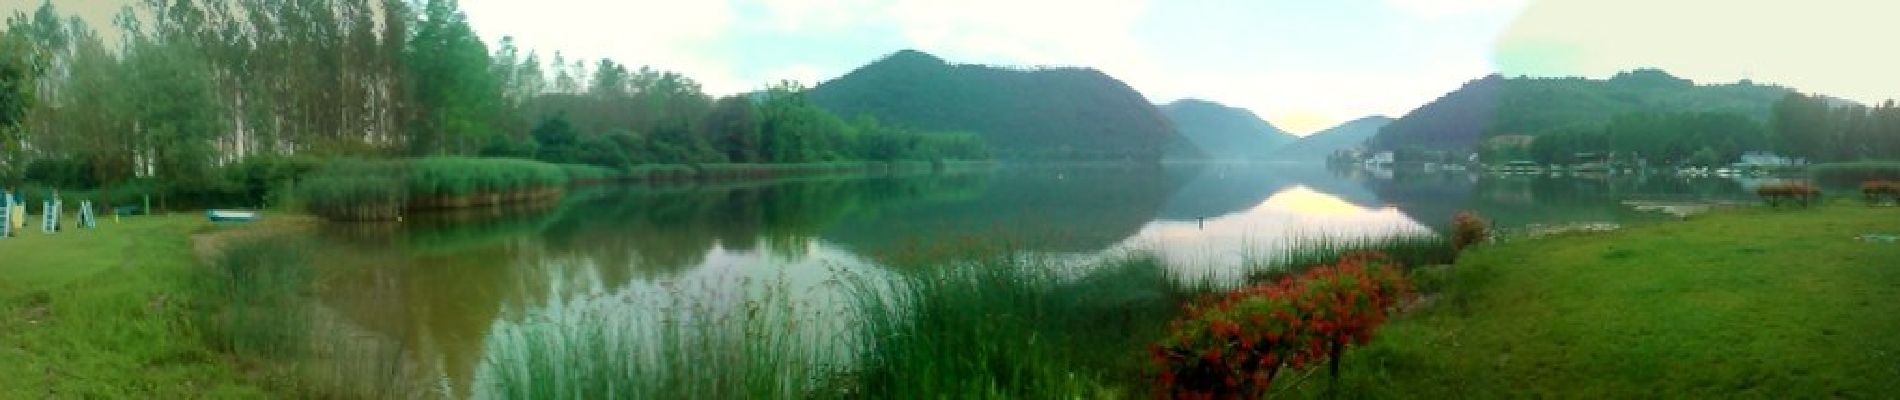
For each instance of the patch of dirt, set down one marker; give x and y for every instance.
(208, 243)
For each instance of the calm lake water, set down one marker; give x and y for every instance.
(451, 289)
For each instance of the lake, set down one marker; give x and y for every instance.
(452, 291)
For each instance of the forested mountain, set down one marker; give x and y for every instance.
(1317, 146)
(1210, 130)
(1497, 106)
(1033, 113)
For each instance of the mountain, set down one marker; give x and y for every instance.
(1022, 113)
(1210, 130)
(1317, 146)
(1497, 106)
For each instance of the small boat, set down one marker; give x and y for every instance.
(231, 215)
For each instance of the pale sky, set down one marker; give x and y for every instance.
(1305, 65)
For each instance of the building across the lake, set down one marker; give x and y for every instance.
(1761, 159)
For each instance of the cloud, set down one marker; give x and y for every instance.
(1455, 8)
(822, 15)
(669, 35)
(1039, 32)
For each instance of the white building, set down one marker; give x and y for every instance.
(1766, 159)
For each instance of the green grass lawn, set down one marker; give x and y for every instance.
(96, 314)
(1747, 303)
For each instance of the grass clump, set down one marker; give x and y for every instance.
(1013, 327)
(255, 299)
(359, 190)
(356, 190)
(687, 341)
(1409, 249)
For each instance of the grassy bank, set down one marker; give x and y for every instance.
(102, 314)
(1744, 303)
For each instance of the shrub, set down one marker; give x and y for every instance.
(1878, 191)
(1799, 193)
(1468, 229)
(1234, 345)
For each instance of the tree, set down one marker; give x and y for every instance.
(457, 96)
(21, 64)
(734, 123)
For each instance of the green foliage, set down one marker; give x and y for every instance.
(22, 62)
(1235, 345)
(1497, 106)
(461, 176)
(1066, 113)
(1847, 174)
(1700, 139)
(458, 95)
(597, 347)
(254, 300)
(348, 189)
(1413, 249)
(1817, 128)
(1006, 326)
(355, 190)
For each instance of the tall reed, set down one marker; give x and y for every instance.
(713, 341)
(1011, 326)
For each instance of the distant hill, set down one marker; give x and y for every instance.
(1210, 130)
(1022, 113)
(1495, 105)
(1317, 146)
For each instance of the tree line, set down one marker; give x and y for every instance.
(1660, 139)
(1827, 130)
(186, 88)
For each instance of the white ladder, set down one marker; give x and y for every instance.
(49, 216)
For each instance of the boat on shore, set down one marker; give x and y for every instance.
(231, 215)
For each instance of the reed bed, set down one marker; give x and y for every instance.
(1009, 326)
(686, 341)
(362, 190)
(1410, 249)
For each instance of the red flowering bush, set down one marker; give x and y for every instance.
(1467, 229)
(1234, 345)
(1797, 192)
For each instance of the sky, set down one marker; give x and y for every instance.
(1304, 65)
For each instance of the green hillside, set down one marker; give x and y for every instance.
(1495, 106)
(1210, 130)
(1317, 146)
(1022, 113)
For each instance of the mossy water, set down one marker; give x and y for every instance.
(768, 289)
